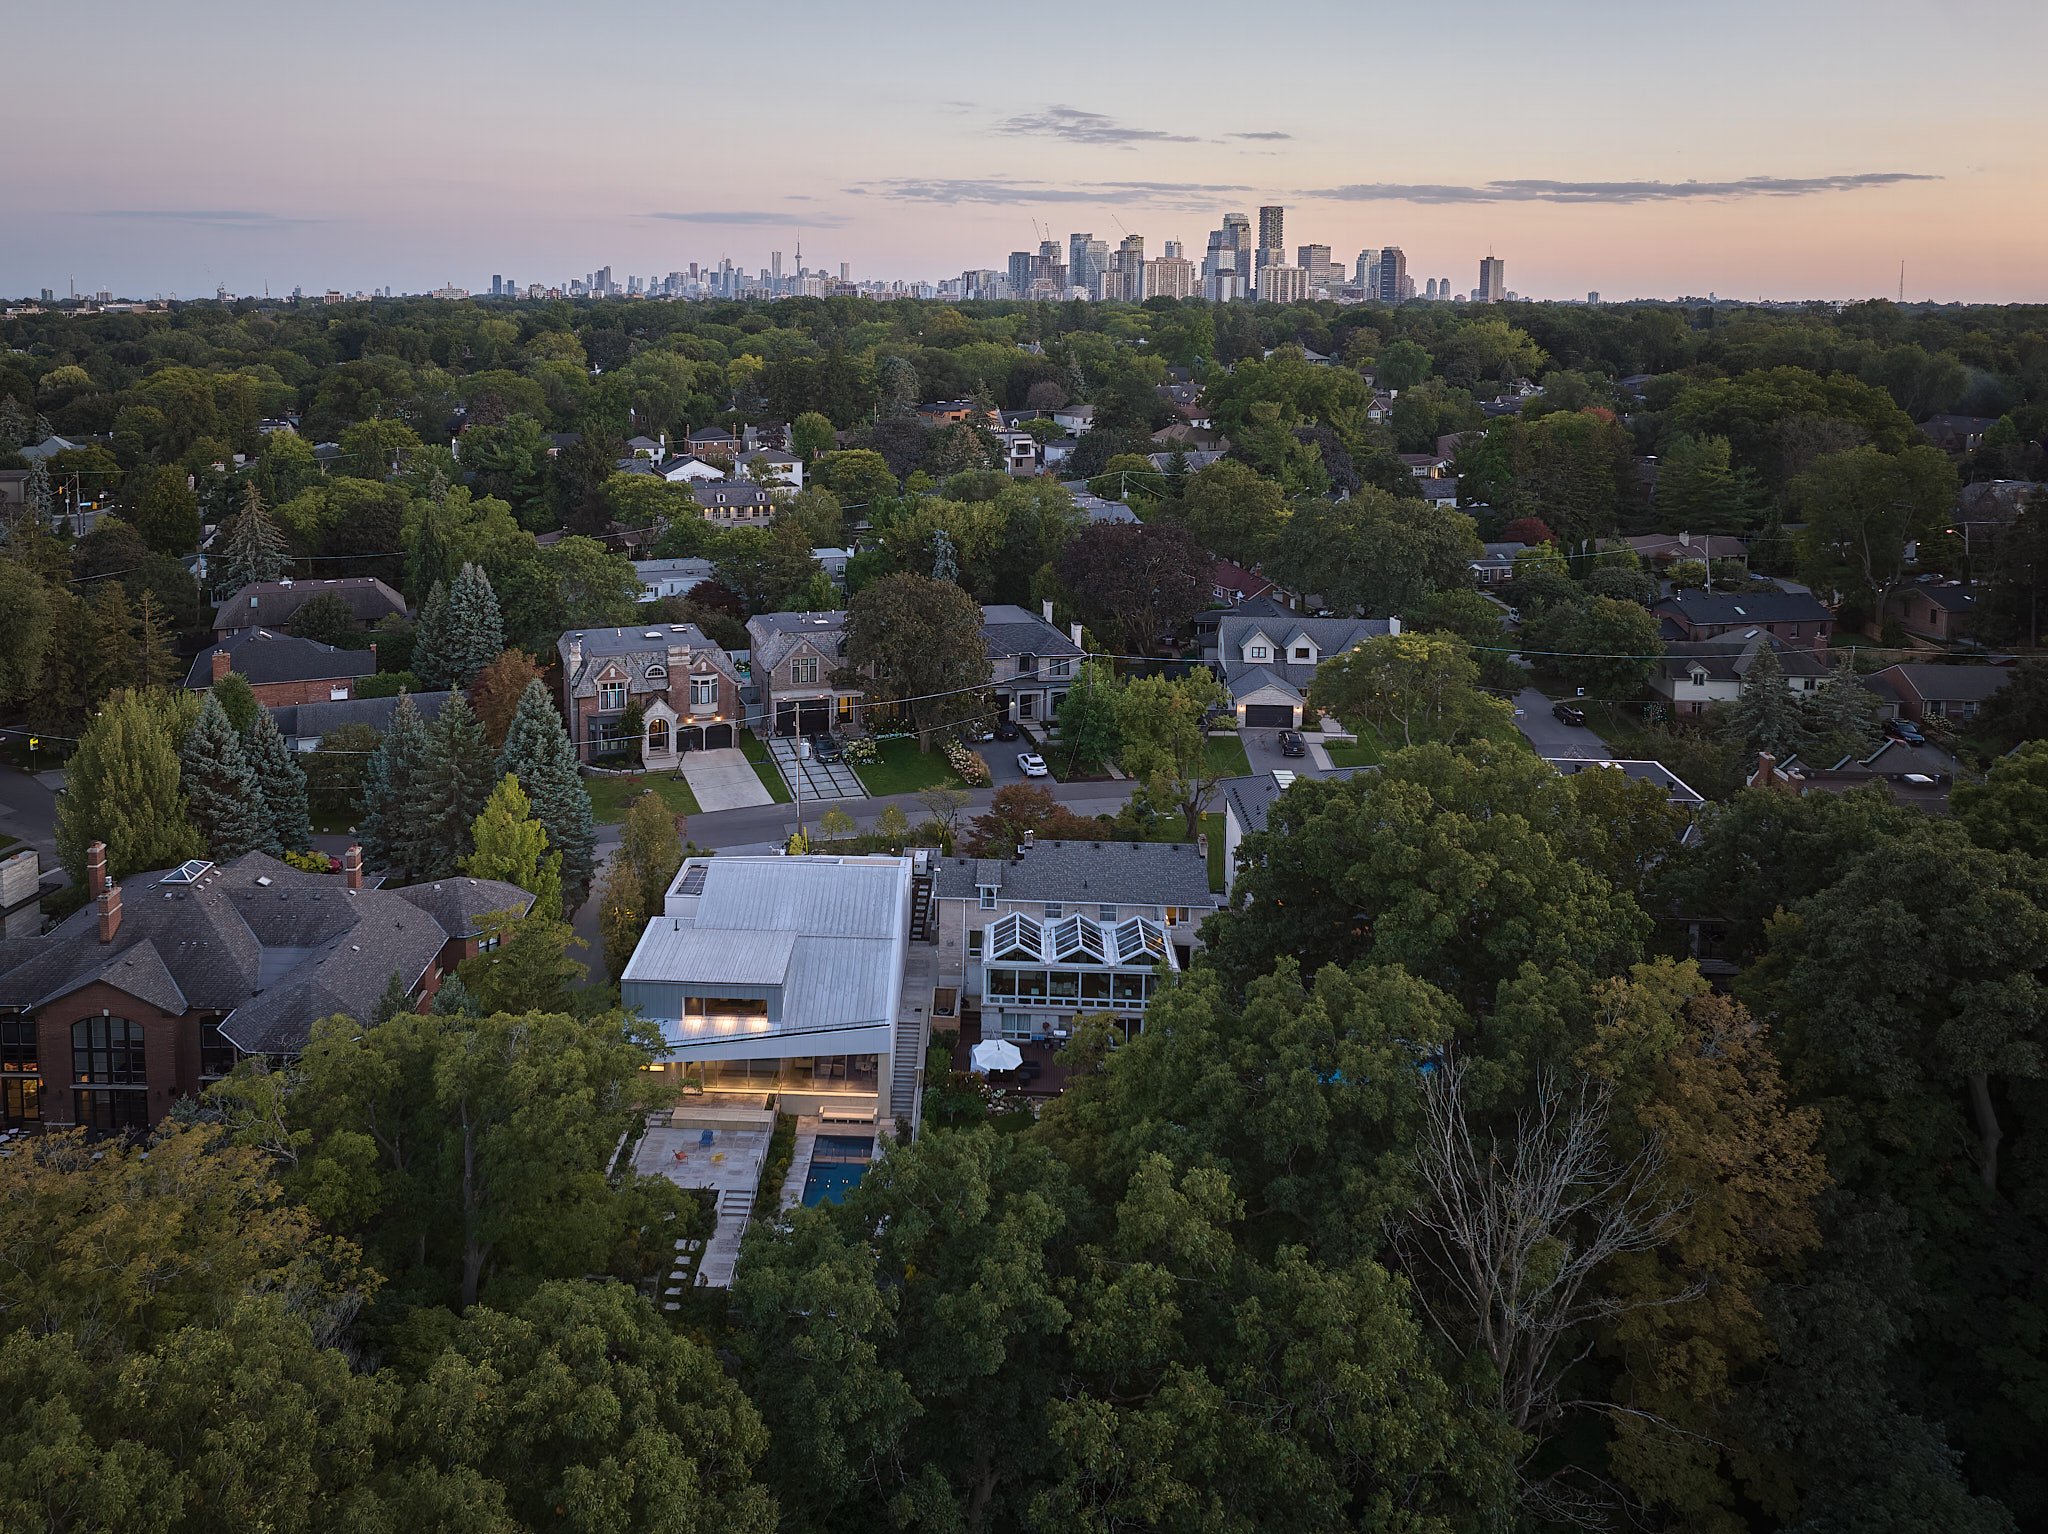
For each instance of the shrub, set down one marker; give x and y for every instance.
(862, 750)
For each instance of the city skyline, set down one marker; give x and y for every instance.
(1606, 157)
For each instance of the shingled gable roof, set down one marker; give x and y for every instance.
(276, 603)
(1086, 873)
(635, 651)
(1729, 658)
(1736, 607)
(274, 948)
(263, 655)
(778, 635)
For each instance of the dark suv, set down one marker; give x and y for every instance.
(1291, 743)
(1564, 713)
(827, 748)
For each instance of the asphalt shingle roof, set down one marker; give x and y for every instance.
(262, 655)
(1105, 873)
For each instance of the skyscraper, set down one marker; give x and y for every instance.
(1272, 223)
(1280, 283)
(1391, 280)
(1493, 280)
(775, 265)
(1171, 276)
(1087, 258)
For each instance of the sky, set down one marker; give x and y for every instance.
(1795, 149)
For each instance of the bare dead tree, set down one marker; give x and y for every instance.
(1510, 1233)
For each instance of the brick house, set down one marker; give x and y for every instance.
(1796, 617)
(1922, 691)
(796, 656)
(1940, 610)
(280, 668)
(273, 604)
(164, 980)
(687, 688)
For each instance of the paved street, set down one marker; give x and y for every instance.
(1551, 736)
(28, 812)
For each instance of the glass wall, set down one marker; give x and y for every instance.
(804, 1073)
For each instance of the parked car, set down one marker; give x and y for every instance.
(1031, 764)
(1006, 729)
(978, 733)
(1905, 730)
(1291, 743)
(828, 748)
(1564, 713)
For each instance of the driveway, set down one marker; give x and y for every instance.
(822, 782)
(1262, 750)
(723, 780)
(1551, 736)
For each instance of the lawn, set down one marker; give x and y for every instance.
(756, 750)
(1226, 756)
(610, 797)
(902, 769)
(1363, 752)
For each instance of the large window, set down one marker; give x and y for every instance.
(216, 1055)
(724, 1006)
(112, 1078)
(107, 1052)
(703, 692)
(803, 671)
(21, 1101)
(611, 697)
(18, 1046)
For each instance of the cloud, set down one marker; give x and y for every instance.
(1259, 136)
(753, 218)
(1077, 127)
(1005, 191)
(1613, 191)
(211, 218)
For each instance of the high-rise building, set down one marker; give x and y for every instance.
(1280, 283)
(1173, 251)
(1593, 297)
(1390, 280)
(1272, 227)
(846, 271)
(1430, 291)
(775, 265)
(1171, 276)
(1366, 274)
(1087, 260)
(497, 285)
(1493, 280)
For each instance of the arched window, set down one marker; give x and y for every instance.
(109, 1073)
(657, 737)
(657, 672)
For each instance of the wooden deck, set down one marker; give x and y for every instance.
(1050, 1078)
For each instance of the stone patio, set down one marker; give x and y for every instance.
(728, 1165)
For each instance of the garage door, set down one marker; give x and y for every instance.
(813, 716)
(1269, 716)
(717, 736)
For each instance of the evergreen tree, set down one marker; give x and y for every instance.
(455, 1000)
(456, 782)
(393, 780)
(538, 752)
(111, 661)
(61, 700)
(428, 635)
(1846, 717)
(513, 846)
(257, 549)
(122, 789)
(283, 782)
(392, 1002)
(156, 665)
(468, 638)
(225, 801)
(1766, 717)
(237, 700)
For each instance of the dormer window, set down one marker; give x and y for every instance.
(1256, 652)
(1301, 652)
(657, 673)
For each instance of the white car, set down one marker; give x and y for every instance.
(1031, 764)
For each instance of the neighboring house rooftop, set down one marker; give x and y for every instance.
(309, 721)
(1731, 608)
(1729, 658)
(261, 656)
(1009, 630)
(1948, 684)
(1675, 547)
(276, 603)
(1677, 792)
(1329, 636)
(1105, 873)
(1251, 799)
(274, 948)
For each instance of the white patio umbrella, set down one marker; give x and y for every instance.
(996, 1055)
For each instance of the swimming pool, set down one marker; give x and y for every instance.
(838, 1162)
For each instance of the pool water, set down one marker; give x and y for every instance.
(838, 1162)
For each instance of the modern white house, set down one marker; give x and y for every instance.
(670, 577)
(783, 978)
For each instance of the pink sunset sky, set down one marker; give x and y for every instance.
(1788, 150)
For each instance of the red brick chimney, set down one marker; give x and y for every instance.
(105, 892)
(221, 664)
(352, 867)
